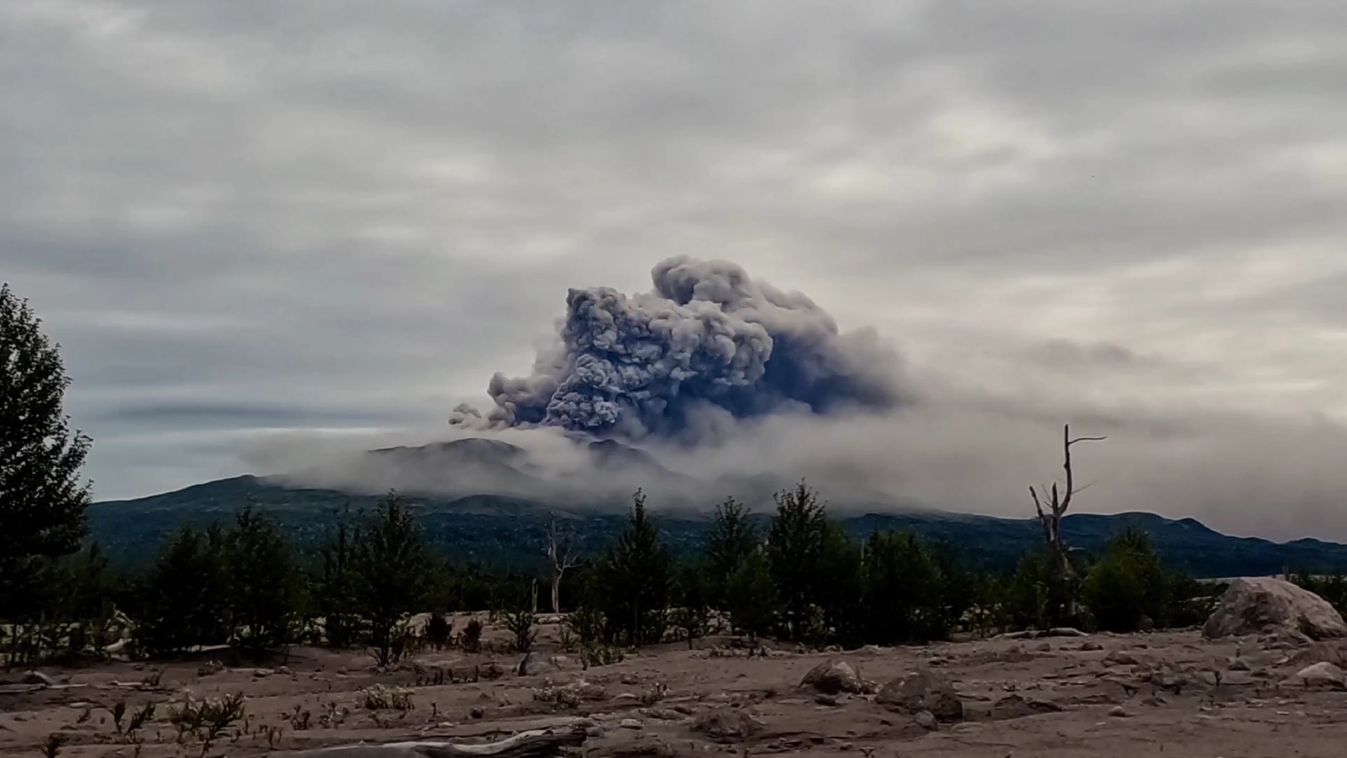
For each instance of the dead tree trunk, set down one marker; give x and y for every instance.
(1053, 503)
(562, 556)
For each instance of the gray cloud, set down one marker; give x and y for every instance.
(343, 218)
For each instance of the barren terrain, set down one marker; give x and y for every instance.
(1100, 695)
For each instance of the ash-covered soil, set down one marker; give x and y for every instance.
(1100, 695)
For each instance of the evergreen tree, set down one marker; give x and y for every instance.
(838, 595)
(334, 588)
(264, 582)
(183, 598)
(636, 576)
(691, 595)
(42, 497)
(750, 597)
(389, 560)
(731, 539)
(795, 552)
(901, 589)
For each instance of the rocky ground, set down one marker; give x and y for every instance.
(1099, 695)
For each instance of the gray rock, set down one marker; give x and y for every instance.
(1018, 706)
(1263, 605)
(918, 691)
(37, 677)
(1119, 712)
(832, 678)
(926, 720)
(1321, 676)
(727, 724)
(631, 724)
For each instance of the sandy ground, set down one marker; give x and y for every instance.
(1139, 695)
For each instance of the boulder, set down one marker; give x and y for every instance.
(38, 678)
(536, 663)
(1016, 706)
(918, 691)
(832, 678)
(727, 725)
(1321, 676)
(1266, 605)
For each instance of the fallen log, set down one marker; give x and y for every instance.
(539, 743)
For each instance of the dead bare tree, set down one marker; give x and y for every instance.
(563, 556)
(1053, 503)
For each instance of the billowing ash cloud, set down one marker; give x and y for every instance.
(707, 346)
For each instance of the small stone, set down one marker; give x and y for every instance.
(1091, 647)
(631, 724)
(476, 713)
(1119, 712)
(926, 720)
(828, 700)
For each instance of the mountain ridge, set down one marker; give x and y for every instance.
(508, 531)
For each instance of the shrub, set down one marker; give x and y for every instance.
(1127, 589)
(439, 630)
(520, 622)
(471, 638)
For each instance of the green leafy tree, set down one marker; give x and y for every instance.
(795, 553)
(265, 592)
(635, 577)
(731, 539)
(389, 561)
(42, 497)
(750, 596)
(184, 596)
(1128, 589)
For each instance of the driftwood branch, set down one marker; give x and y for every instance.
(540, 743)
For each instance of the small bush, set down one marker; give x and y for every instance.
(381, 698)
(471, 637)
(520, 623)
(439, 631)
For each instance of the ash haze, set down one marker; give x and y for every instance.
(263, 230)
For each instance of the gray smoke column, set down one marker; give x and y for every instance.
(707, 347)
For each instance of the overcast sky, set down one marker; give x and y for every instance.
(243, 218)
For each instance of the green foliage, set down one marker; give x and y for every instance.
(751, 596)
(636, 576)
(264, 581)
(389, 562)
(42, 498)
(795, 554)
(184, 597)
(838, 594)
(731, 539)
(521, 622)
(902, 590)
(692, 612)
(335, 587)
(1127, 589)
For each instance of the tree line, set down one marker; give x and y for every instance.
(245, 585)
(802, 579)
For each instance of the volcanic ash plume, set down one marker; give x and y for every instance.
(707, 347)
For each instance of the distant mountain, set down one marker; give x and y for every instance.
(507, 531)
